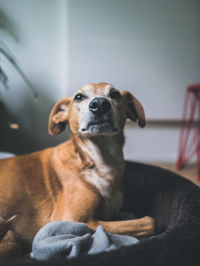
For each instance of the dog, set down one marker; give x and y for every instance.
(81, 179)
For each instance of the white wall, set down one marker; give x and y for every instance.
(151, 144)
(149, 47)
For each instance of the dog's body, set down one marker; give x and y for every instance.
(60, 191)
(81, 179)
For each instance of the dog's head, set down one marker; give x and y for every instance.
(96, 109)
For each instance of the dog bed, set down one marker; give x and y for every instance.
(173, 201)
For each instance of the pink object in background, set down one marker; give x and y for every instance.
(189, 139)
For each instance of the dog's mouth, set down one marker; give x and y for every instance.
(100, 127)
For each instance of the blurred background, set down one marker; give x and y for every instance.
(150, 47)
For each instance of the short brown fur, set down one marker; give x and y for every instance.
(51, 184)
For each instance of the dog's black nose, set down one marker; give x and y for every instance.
(99, 106)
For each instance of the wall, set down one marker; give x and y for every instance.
(149, 47)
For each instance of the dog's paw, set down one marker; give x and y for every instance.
(143, 227)
(148, 226)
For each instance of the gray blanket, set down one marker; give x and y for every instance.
(58, 240)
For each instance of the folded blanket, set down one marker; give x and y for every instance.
(58, 240)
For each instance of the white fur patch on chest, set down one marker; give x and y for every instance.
(106, 185)
(106, 176)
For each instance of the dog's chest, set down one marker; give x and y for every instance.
(106, 181)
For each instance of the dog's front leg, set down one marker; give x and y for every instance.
(136, 227)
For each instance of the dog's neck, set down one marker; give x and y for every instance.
(101, 150)
(97, 161)
(105, 173)
(103, 154)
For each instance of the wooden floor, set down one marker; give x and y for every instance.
(189, 172)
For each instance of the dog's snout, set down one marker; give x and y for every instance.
(99, 106)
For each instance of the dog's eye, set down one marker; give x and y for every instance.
(115, 95)
(79, 97)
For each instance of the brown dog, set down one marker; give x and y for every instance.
(81, 179)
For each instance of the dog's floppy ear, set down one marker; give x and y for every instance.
(135, 110)
(59, 116)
